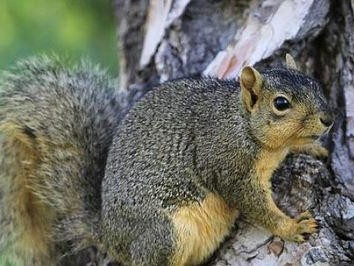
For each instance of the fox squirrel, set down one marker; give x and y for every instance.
(161, 186)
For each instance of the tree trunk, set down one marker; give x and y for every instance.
(163, 40)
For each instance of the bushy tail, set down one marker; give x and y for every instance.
(56, 125)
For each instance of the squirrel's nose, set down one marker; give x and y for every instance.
(326, 119)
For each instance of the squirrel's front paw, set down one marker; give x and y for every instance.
(319, 151)
(297, 230)
(315, 149)
(304, 225)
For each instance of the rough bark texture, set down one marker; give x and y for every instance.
(324, 46)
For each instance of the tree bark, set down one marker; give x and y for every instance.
(218, 37)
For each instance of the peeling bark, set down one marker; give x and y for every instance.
(268, 26)
(161, 15)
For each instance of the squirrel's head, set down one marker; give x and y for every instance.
(286, 108)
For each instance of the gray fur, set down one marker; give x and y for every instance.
(74, 109)
(184, 139)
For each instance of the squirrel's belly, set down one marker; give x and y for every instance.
(199, 229)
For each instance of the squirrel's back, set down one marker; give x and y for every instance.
(56, 126)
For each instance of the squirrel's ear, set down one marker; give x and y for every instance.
(290, 62)
(251, 84)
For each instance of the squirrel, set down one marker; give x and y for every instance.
(161, 185)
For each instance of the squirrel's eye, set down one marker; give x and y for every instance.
(281, 103)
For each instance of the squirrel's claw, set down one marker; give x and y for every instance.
(298, 238)
(304, 216)
(299, 229)
(319, 151)
(315, 149)
(305, 226)
(308, 226)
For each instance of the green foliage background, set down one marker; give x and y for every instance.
(71, 28)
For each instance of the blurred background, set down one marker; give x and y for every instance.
(72, 28)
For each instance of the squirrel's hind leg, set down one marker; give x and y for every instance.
(138, 238)
(152, 248)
